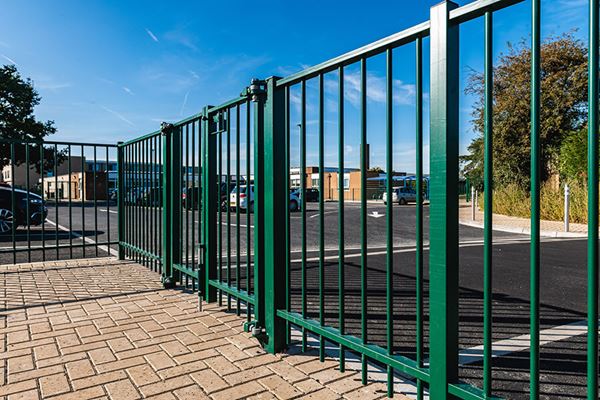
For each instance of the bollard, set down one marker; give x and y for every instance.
(567, 201)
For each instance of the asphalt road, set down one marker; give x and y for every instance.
(563, 281)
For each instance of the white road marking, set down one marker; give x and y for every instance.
(375, 214)
(110, 211)
(87, 239)
(521, 343)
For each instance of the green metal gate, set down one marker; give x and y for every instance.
(190, 238)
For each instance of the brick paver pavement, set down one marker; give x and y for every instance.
(105, 329)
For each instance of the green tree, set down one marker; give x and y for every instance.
(563, 101)
(573, 156)
(18, 99)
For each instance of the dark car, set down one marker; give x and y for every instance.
(37, 209)
(150, 197)
(191, 196)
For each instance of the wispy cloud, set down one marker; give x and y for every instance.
(152, 35)
(185, 99)
(182, 38)
(403, 93)
(116, 114)
(194, 74)
(10, 60)
(4, 44)
(127, 90)
(49, 85)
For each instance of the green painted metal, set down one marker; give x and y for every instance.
(419, 212)
(341, 266)
(120, 199)
(363, 215)
(321, 213)
(443, 253)
(166, 133)
(303, 282)
(389, 211)
(487, 220)
(209, 205)
(592, 255)
(534, 257)
(274, 197)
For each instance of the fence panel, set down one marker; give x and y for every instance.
(57, 200)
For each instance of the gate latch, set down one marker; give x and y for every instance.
(257, 89)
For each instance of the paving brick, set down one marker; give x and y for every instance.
(239, 391)
(79, 369)
(54, 384)
(166, 386)
(19, 364)
(371, 391)
(142, 375)
(100, 379)
(28, 395)
(280, 387)
(160, 360)
(209, 381)
(190, 393)
(101, 356)
(12, 388)
(122, 390)
(182, 369)
(323, 394)
(221, 365)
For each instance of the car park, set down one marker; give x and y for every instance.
(28, 209)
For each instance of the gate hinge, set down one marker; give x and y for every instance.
(256, 90)
(165, 128)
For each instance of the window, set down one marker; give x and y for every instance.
(346, 183)
(315, 182)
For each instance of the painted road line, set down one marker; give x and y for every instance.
(87, 239)
(110, 211)
(522, 342)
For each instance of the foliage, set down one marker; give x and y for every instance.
(514, 200)
(18, 99)
(573, 156)
(563, 101)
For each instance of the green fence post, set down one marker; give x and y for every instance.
(209, 207)
(443, 260)
(120, 204)
(257, 93)
(175, 209)
(167, 230)
(275, 213)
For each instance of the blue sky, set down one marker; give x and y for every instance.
(112, 70)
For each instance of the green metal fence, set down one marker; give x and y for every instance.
(206, 202)
(56, 201)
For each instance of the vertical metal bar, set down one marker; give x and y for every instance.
(487, 220)
(167, 229)
(187, 200)
(419, 212)
(175, 209)
(193, 198)
(220, 221)
(13, 202)
(107, 195)
(237, 208)
(303, 200)
(592, 250)
(288, 268)
(248, 216)
(443, 259)
(95, 203)
(82, 198)
(341, 266)
(135, 201)
(43, 222)
(56, 199)
(321, 213)
(275, 212)
(70, 202)
(27, 211)
(227, 205)
(534, 360)
(363, 214)
(120, 197)
(259, 206)
(389, 223)
(209, 204)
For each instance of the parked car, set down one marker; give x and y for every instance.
(312, 194)
(37, 209)
(192, 195)
(401, 195)
(246, 200)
